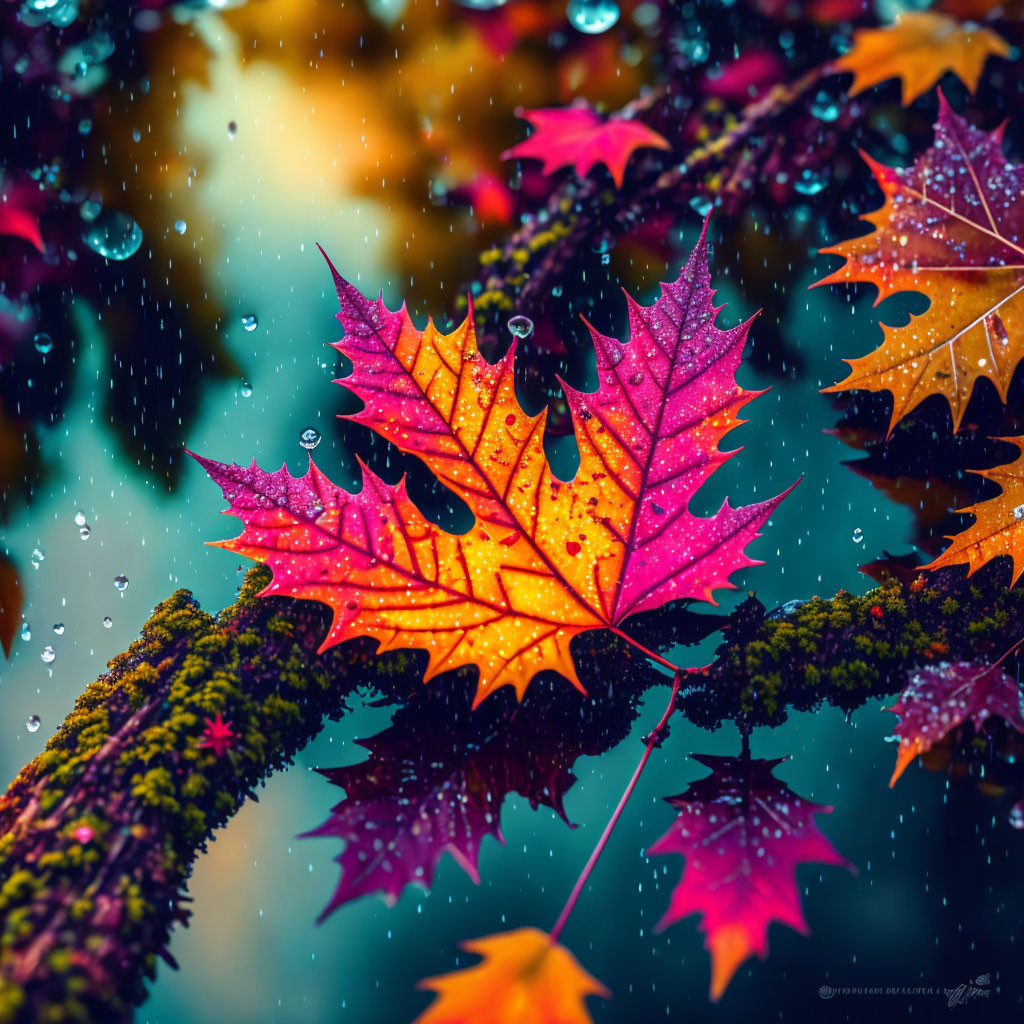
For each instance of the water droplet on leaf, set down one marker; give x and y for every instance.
(521, 326)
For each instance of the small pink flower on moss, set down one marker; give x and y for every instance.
(217, 736)
(84, 834)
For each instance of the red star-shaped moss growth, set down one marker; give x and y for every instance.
(217, 736)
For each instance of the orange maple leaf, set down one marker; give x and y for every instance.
(546, 559)
(525, 978)
(951, 228)
(998, 527)
(919, 47)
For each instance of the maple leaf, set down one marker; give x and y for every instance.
(919, 47)
(436, 779)
(578, 136)
(939, 698)
(743, 832)
(998, 527)
(546, 559)
(217, 736)
(952, 227)
(525, 978)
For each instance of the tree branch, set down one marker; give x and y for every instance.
(99, 833)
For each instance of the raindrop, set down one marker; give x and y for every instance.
(245, 389)
(48, 654)
(90, 210)
(107, 622)
(592, 16)
(43, 342)
(121, 582)
(26, 631)
(79, 518)
(58, 628)
(37, 556)
(858, 535)
(180, 226)
(85, 531)
(114, 235)
(33, 722)
(811, 182)
(249, 322)
(521, 326)
(825, 108)
(701, 204)
(1017, 816)
(1018, 512)
(309, 438)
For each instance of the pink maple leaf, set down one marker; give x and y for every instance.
(578, 136)
(939, 698)
(743, 832)
(217, 736)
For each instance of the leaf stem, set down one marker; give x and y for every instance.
(654, 739)
(646, 650)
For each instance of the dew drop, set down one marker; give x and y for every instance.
(32, 723)
(43, 342)
(592, 16)
(26, 631)
(180, 226)
(858, 535)
(245, 389)
(113, 234)
(58, 628)
(232, 129)
(521, 326)
(121, 583)
(249, 322)
(79, 518)
(309, 438)
(107, 622)
(48, 655)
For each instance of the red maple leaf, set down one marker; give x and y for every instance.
(217, 736)
(940, 698)
(578, 136)
(742, 832)
(437, 778)
(547, 559)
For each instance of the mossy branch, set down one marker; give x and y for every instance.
(85, 916)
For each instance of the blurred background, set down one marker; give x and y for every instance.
(212, 146)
